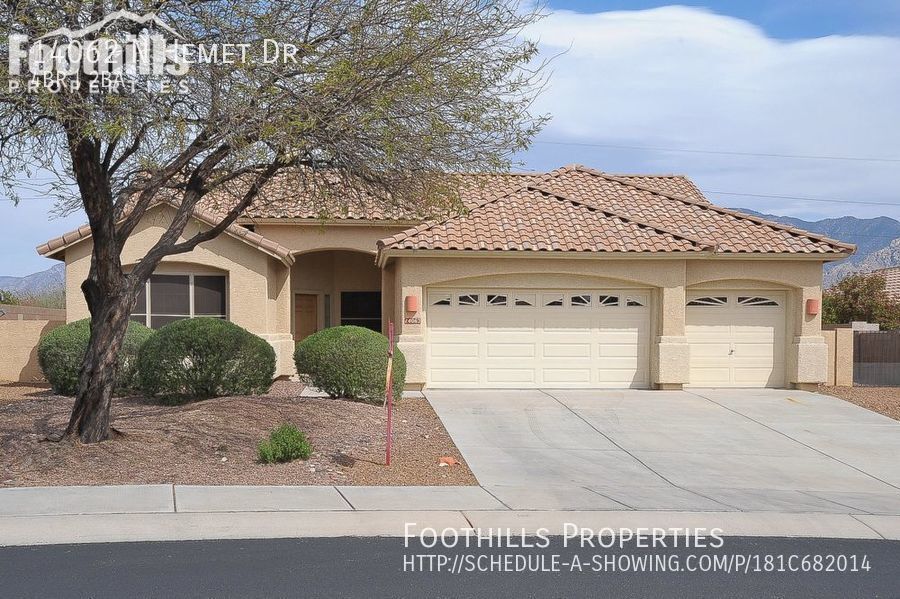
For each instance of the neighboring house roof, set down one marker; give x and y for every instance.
(532, 219)
(55, 246)
(720, 229)
(892, 280)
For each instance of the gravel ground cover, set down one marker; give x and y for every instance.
(884, 400)
(213, 442)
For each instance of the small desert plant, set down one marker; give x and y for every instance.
(349, 362)
(285, 443)
(61, 351)
(200, 358)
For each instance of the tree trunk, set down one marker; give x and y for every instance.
(90, 418)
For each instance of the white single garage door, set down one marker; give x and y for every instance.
(521, 338)
(736, 338)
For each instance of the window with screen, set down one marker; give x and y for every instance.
(361, 308)
(167, 298)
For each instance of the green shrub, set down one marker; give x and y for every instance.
(199, 358)
(349, 362)
(61, 351)
(284, 444)
(9, 298)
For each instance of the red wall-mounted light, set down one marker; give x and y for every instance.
(812, 307)
(412, 303)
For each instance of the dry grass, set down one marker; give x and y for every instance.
(214, 442)
(884, 400)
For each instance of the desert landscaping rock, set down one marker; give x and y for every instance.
(213, 442)
(884, 400)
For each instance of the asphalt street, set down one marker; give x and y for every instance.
(367, 567)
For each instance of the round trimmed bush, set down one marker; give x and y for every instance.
(349, 362)
(61, 351)
(198, 358)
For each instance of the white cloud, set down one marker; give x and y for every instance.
(683, 77)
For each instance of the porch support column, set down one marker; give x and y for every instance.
(412, 336)
(808, 359)
(670, 366)
(278, 319)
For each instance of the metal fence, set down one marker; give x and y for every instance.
(876, 358)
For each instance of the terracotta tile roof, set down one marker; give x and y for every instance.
(892, 280)
(724, 230)
(268, 246)
(732, 231)
(532, 219)
(672, 184)
(291, 196)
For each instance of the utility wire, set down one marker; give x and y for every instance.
(711, 193)
(719, 152)
(801, 198)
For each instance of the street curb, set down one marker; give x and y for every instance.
(61, 515)
(116, 528)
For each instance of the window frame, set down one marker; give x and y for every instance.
(149, 314)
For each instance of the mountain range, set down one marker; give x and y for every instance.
(47, 281)
(877, 241)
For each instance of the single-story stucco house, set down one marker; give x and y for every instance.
(572, 278)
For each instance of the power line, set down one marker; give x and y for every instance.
(801, 198)
(725, 193)
(719, 152)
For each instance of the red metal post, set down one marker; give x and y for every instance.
(389, 393)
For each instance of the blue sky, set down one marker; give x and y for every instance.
(783, 19)
(788, 77)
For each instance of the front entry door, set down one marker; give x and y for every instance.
(306, 315)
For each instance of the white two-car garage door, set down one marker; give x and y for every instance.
(736, 338)
(538, 338)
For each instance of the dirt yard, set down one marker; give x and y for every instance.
(213, 442)
(884, 400)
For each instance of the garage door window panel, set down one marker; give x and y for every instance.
(607, 301)
(708, 301)
(553, 300)
(468, 299)
(580, 300)
(525, 301)
(494, 299)
(441, 300)
(635, 302)
(757, 301)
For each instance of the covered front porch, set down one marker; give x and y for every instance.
(335, 287)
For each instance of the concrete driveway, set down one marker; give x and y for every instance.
(703, 450)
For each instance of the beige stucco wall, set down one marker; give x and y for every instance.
(668, 279)
(840, 357)
(258, 284)
(306, 237)
(21, 328)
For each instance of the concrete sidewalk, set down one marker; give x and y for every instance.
(55, 515)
